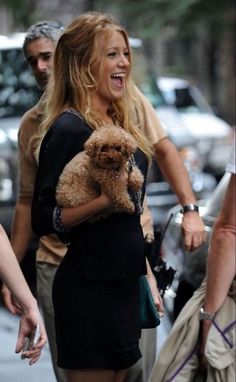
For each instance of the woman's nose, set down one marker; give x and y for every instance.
(123, 61)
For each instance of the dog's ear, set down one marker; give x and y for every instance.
(91, 144)
(130, 144)
(89, 149)
(92, 147)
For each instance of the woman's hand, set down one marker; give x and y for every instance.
(29, 320)
(155, 294)
(151, 279)
(106, 200)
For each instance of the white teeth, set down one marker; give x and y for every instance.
(118, 75)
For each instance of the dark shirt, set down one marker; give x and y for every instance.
(112, 247)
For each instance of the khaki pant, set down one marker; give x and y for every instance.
(45, 276)
(141, 370)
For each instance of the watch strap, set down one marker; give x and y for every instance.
(189, 207)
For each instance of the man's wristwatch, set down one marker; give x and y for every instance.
(205, 315)
(189, 207)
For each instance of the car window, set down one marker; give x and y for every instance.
(187, 100)
(18, 90)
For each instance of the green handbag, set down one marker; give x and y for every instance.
(148, 311)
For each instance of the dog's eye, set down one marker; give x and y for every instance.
(118, 148)
(104, 148)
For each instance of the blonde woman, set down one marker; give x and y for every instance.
(95, 290)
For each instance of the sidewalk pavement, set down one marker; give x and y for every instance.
(12, 368)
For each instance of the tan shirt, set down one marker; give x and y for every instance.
(51, 250)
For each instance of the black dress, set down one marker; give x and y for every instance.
(95, 290)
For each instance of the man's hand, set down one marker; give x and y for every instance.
(193, 230)
(10, 302)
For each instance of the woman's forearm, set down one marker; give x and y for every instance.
(11, 273)
(220, 270)
(76, 215)
(221, 260)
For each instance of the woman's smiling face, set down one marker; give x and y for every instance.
(115, 64)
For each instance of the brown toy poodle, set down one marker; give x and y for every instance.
(108, 150)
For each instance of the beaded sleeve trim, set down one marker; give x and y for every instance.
(137, 195)
(57, 223)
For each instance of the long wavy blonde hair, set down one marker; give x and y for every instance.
(72, 80)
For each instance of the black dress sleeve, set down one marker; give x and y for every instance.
(62, 142)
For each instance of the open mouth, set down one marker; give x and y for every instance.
(118, 79)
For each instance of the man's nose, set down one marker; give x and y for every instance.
(41, 65)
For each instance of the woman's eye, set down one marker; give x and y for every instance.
(112, 54)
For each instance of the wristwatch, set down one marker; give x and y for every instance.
(205, 315)
(189, 207)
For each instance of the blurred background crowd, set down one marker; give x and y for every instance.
(190, 38)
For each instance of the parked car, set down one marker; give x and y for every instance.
(214, 136)
(18, 92)
(190, 266)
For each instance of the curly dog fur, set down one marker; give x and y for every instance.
(105, 155)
